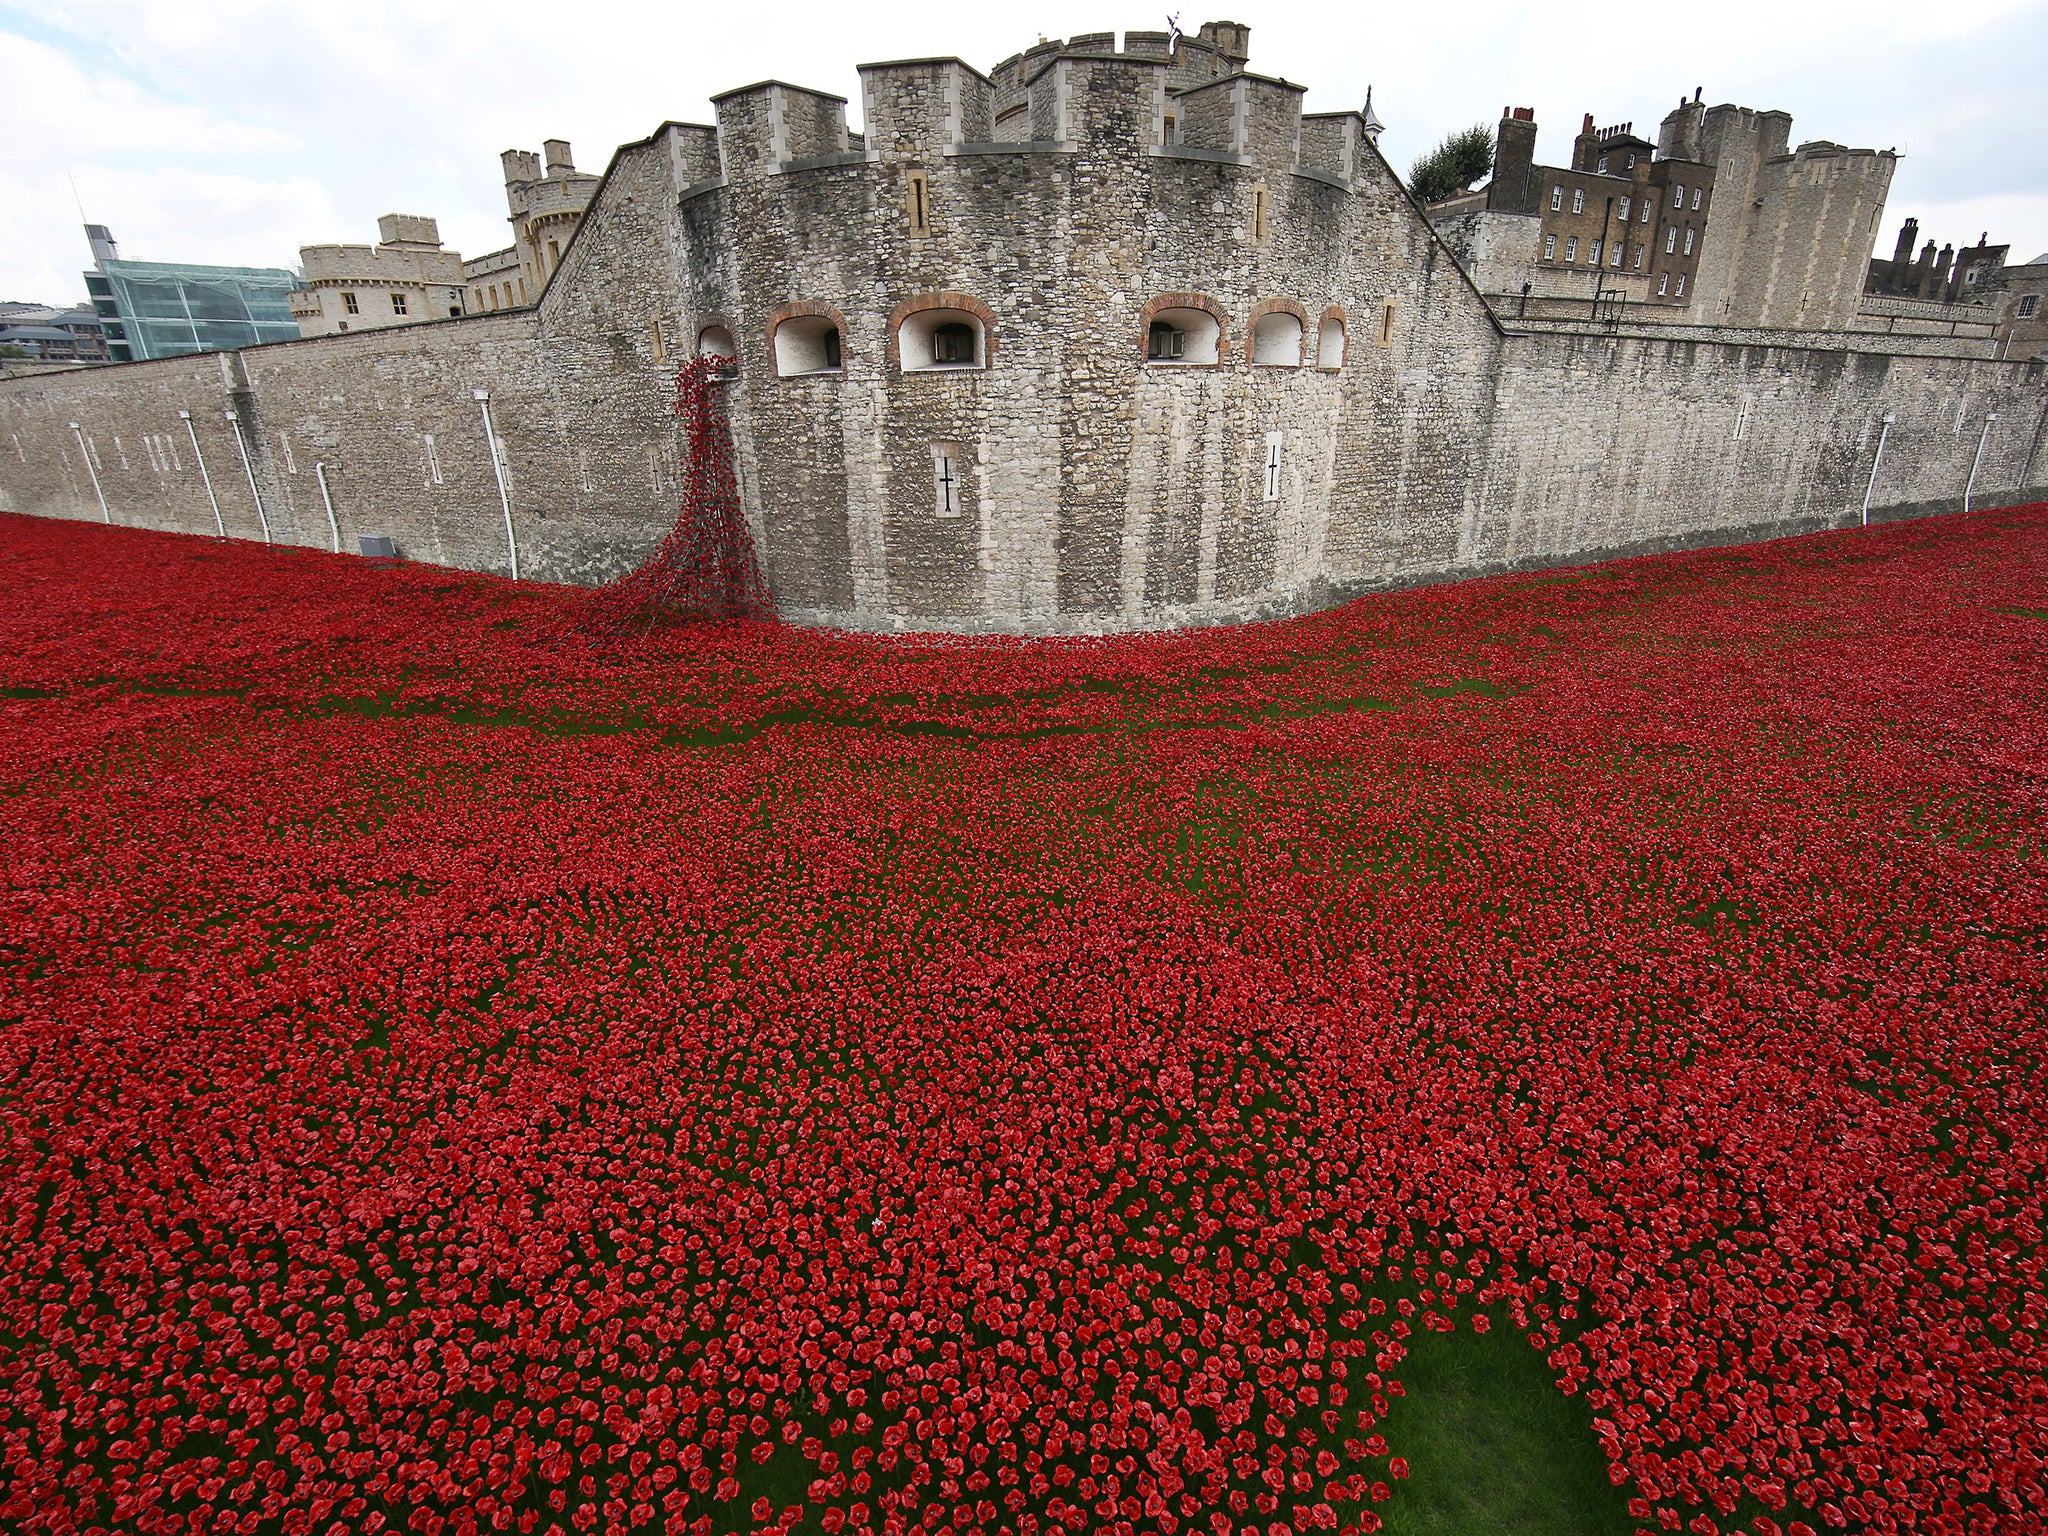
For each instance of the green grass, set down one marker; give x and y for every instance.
(1493, 1448)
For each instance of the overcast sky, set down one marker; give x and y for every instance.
(235, 131)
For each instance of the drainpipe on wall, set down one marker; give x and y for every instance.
(249, 469)
(1889, 418)
(86, 454)
(1982, 438)
(483, 399)
(320, 474)
(212, 500)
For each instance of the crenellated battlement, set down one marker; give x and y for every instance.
(1179, 97)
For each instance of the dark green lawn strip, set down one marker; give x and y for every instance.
(1493, 1447)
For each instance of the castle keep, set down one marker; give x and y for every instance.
(1113, 337)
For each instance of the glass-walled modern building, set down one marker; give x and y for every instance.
(163, 309)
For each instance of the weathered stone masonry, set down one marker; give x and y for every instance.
(1085, 487)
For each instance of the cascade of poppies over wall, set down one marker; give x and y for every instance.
(706, 567)
(456, 1080)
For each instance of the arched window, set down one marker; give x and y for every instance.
(716, 341)
(1276, 340)
(933, 339)
(1330, 343)
(807, 344)
(1182, 336)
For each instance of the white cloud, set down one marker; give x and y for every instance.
(386, 106)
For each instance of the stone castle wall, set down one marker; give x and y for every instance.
(1095, 490)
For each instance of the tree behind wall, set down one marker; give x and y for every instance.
(1453, 165)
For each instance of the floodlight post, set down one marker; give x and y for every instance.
(320, 474)
(1889, 418)
(206, 479)
(249, 469)
(1982, 438)
(85, 453)
(483, 400)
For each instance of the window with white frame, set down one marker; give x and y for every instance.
(1550, 247)
(1624, 210)
(1571, 249)
(1688, 240)
(1678, 195)
(1619, 249)
(1273, 466)
(1663, 284)
(1696, 193)
(1603, 165)
(1678, 289)
(1593, 254)
(1578, 199)
(1649, 207)
(1556, 198)
(1670, 239)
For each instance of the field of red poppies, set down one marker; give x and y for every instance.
(458, 1074)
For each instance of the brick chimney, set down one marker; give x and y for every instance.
(1902, 253)
(1513, 188)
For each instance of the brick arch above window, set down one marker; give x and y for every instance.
(704, 325)
(1333, 335)
(944, 298)
(804, 309)
(797, 307)
(1266, 307)
(1200, 301)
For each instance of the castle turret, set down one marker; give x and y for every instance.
(914, 109)
(409, 231)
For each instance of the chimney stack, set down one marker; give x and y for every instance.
(1902, 253)
(559, 162)
(1583, 146)
(1513, 189)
